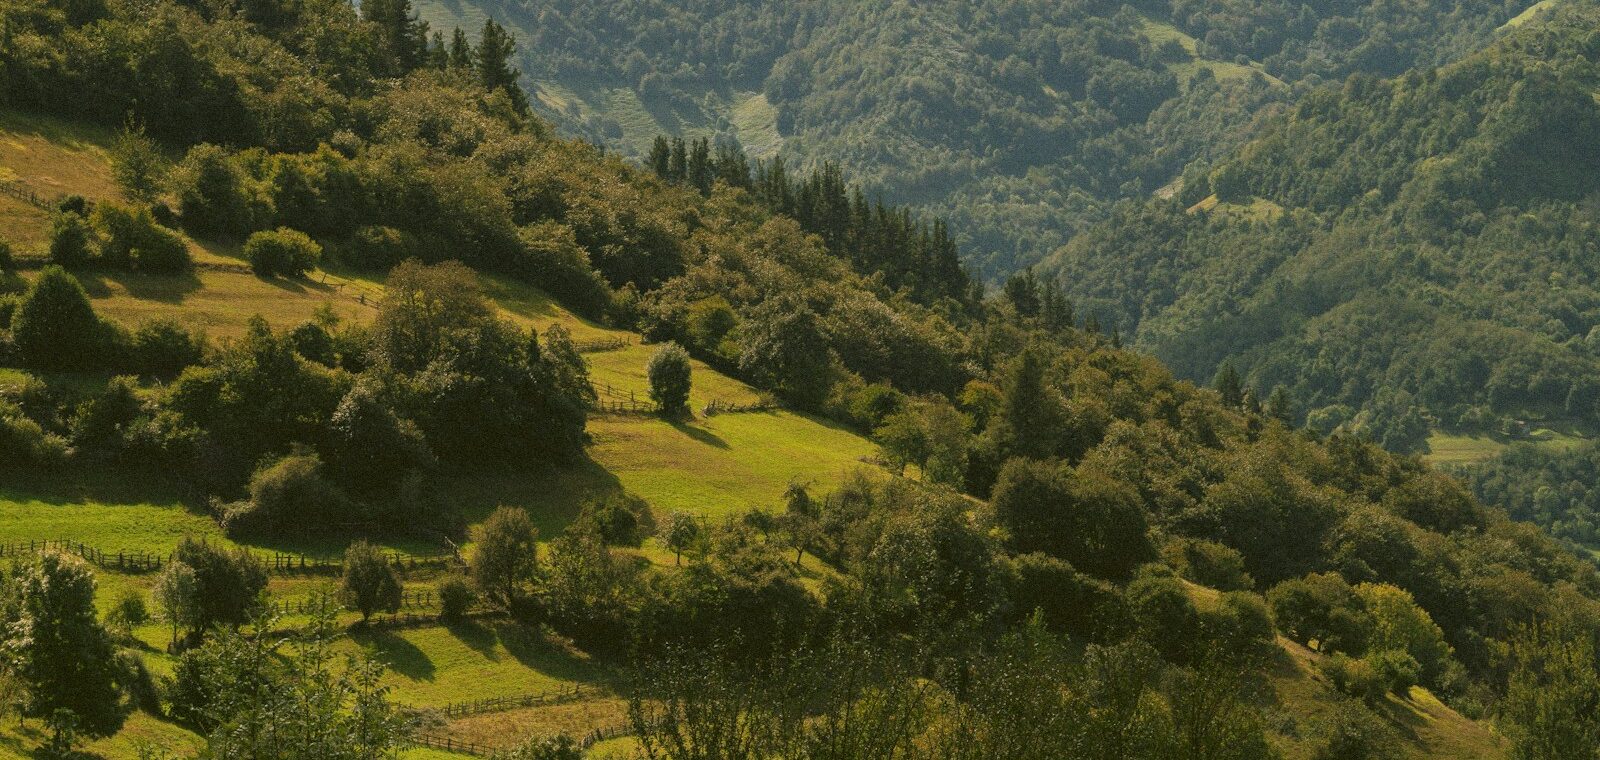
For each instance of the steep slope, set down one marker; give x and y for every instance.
(1018, 121)
(1398, 254)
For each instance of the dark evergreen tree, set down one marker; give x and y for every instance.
(495, 71)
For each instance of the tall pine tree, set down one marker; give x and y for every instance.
(495, 71)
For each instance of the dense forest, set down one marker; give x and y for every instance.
(1018, 120)
(1398, 254)
(1074, 553)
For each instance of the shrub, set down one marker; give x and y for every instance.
(507, 556)
(214, 197)
(456, 597)
(162, 348)
(377, 249)
(55, 328)
(8, 263)
(613, 521)
(1240, 625)
(1208, 563)
(282, 252)
(669, 373)
(1164, 615)
(1356, 677)
(69, 240)
(129, 611)
(135, 240)
(24, 442)
(290, 497)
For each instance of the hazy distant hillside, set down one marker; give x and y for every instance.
(1399, 254)
(1020, 121)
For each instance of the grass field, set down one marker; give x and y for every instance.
(1528, 14)
(1461, 448)
(1161, 31)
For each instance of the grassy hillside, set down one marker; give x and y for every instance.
(708, 465)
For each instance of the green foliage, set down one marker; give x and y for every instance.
(1352, 732)
(55, 328)
(265, 698)
(163, 348)
(1164, 616)
(1208, 563)
(1553, 684)
(291, 496)
(70, 239)
(282, 252)
(505, 561)
(227, 587)
(1092, 522)
(370, 584)
(781, 345)
(138, 166)
(56, 646)
(1321, 609)
(456, 597)
(1361, 257)
(680, 533)
(668, 372)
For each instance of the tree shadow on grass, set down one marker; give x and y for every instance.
(477, 636)
(397, 654)
(699, 434)
(162, 288)
(552, 495)
(536, 653)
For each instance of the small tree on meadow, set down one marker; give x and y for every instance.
(69, 240)
(283, 252)
(681, 533)
(370, 583)
(670, 378)
(176, 595)
(456, 598)
(138, 166)
(507, 557)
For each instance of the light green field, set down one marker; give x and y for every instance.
(755, 122)
(436, 665)
(1528, 14)
(727, 463)
(1160, 31)
(1446, 448)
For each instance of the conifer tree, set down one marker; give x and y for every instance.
(661, 157)
(495, 72)
(461, 55)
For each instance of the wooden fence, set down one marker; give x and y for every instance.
(410, 601)
(517, 702)
(452, 744)
(21, 193)
(143, 562)
(603, 344)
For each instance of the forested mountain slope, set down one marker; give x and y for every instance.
(1019, 120)
(1398, 254)
(366, 525)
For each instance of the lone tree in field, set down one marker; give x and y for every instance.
(370, 583)
(177, 595)
(138, 166)
(669, 379)
(681, 533)
(283, 252)
(507, 558)
(57, 648)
